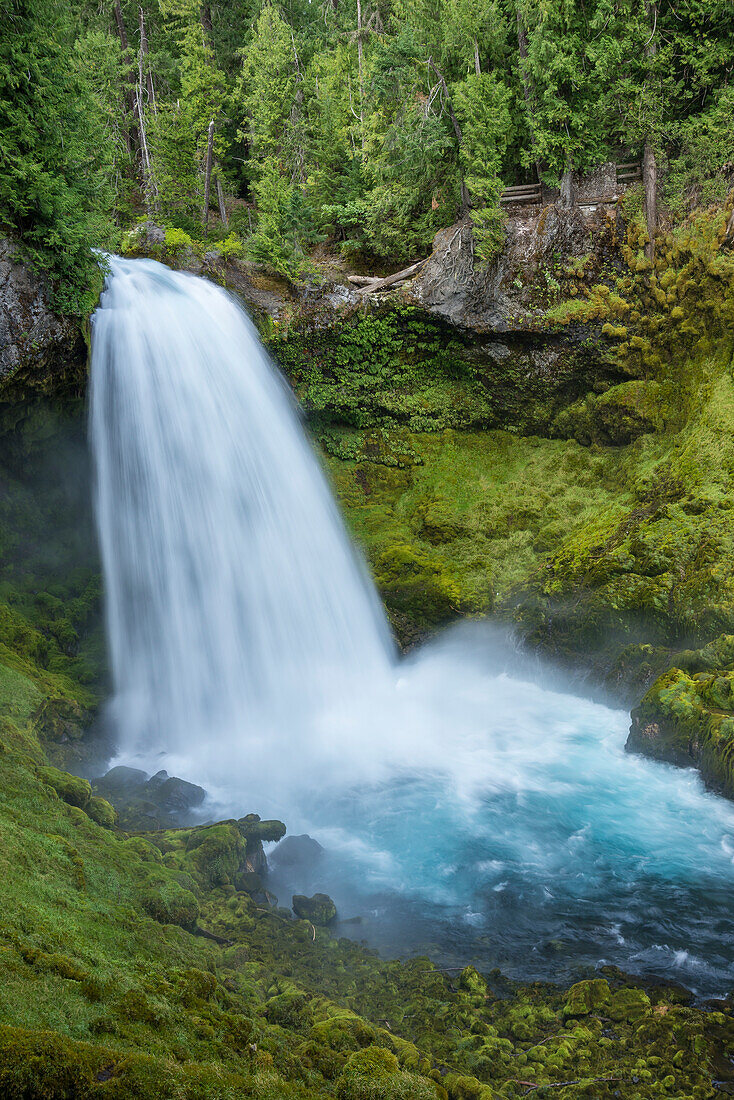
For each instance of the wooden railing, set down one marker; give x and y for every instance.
(524, 193)
(629, 173)
(528, 194)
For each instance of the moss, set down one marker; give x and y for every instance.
(100, 810)
(374, 1074)
(585, 997)
(687, 716)
(70, 788)
(319, 909)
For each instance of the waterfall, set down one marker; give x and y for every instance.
(234, 599)
(472, 801)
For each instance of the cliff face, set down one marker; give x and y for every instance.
(36, 344)
(547, 439)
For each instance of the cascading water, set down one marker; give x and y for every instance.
(234, 599)
(472, 803)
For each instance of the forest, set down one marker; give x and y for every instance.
(359, 127)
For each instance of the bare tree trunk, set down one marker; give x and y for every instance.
(360, 70)
(477, 65)
(145, 64)
(568, 189)
(650, 182)
(205, 15)
(465, 197)
(208, 175)
(132, 139)
(649, 166)
(220, 200)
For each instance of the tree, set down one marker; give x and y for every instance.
(482, 106)
(54, 190)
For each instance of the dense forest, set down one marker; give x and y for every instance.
(360, 126)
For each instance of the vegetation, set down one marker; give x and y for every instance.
(365, 126)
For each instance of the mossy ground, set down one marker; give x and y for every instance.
(134, 967)
(107, 994)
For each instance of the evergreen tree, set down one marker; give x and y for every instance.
(54, 190)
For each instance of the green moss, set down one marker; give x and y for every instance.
(586, 997)
(100, 810)
(75, 791)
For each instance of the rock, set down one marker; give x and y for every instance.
(122, 779)
(35, 341)
(70, 788)
(59, 720)
(628, 1004)
(503, 296)
(175, 795)
(249, 882)
(585, 997)
(100, 810)
(301, 852)
(319, 909)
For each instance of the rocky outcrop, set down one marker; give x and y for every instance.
(35, 342)
(687, 716)
(543, 247)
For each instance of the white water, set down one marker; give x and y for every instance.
(463, 794)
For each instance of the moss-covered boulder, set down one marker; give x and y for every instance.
(586, 997)
(101, 811)
(687, 718)
(70, 788)
(375, 1074)
(319, 909)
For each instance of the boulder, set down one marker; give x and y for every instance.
(34, 341)
(175, 795)
(122, 779)
(319, 909)
(296, 852)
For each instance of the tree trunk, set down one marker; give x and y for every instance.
(527, 87)
(132, 138)
(222, 207)
(206, 18)
(360, 70)
(649, 166)
(568, 189)
(650, 181)
(465, 197)
(145, 63)
(477, 65)
(208, 175)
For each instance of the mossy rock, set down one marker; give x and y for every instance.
(319, 909)
(69, 788)
(628, 1004)
(586, 997)
(101, 811)
(59, 720)
(169, 903)
(374, 1074)
(43, 1065)
(687, 717)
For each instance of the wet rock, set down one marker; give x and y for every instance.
(319, 909)
(585, 997)
(297, 852)
(34, 341)
(120, 779)
(175, 795)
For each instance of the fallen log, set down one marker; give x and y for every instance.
(398, 277)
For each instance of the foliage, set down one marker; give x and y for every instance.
(54, 191)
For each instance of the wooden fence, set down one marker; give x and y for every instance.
(529, 194)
